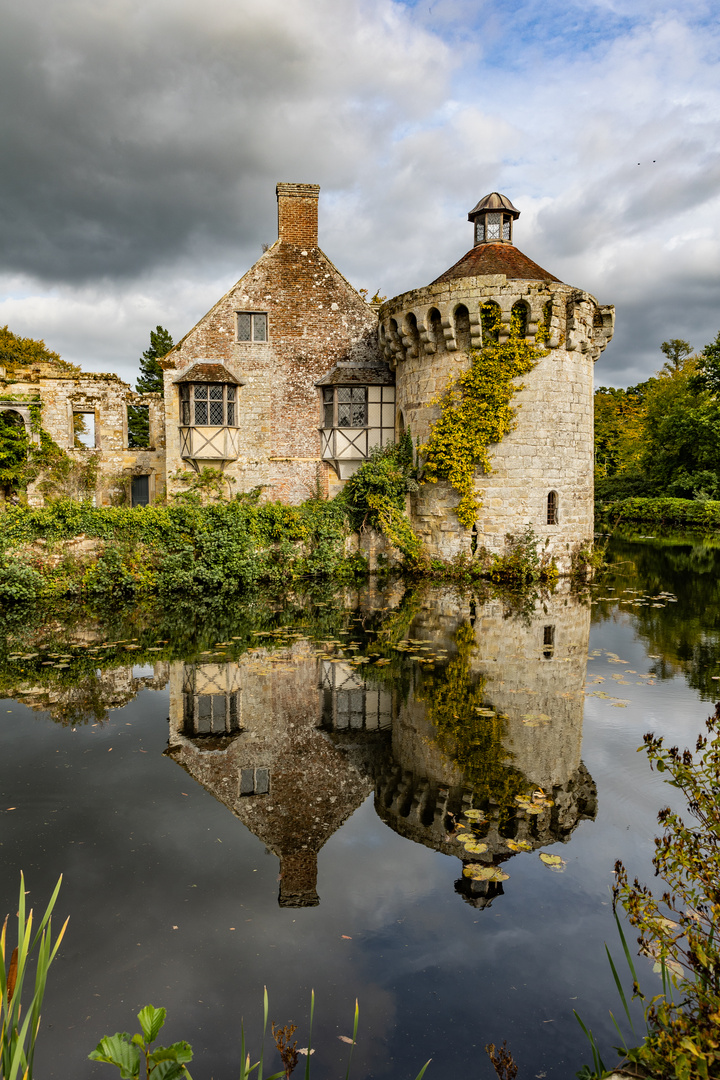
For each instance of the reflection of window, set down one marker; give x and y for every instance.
(252, 326)
(211, 714)
(138, 417)
(254, 781)
(84, 430)
(207, 405)
(548, 642)
(552, 508)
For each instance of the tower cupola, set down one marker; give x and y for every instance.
(493, 219)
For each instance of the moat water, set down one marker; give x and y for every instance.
(273, 793)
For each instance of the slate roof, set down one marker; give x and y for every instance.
(496, 259)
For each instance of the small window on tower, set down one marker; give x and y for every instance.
(252, 326)
(552, 508)
(548, 642)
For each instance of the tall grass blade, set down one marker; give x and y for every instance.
(628, 957)
(620, 990)
(422, 1071)
(598, 1062)
(309, 1045)
(355, 1027)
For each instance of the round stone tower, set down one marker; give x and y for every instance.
(542, 471)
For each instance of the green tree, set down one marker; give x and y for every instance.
(151, 374)
(14, 445)
(681, 454)
(16, 351)
(676, 350)
(709, 368)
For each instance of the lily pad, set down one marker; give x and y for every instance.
(553, 862)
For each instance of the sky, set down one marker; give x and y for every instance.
(142, 142)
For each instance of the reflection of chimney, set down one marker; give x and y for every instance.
(298, 880)
(298, 213)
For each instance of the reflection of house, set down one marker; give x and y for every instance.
(539, 688)
(253, 734)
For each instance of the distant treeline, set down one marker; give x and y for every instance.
(661, 438)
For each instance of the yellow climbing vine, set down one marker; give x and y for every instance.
(477, 409)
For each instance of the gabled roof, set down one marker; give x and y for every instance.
(485, 259)
(209, 372)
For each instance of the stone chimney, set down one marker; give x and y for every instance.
(298, 869)
(298, 213)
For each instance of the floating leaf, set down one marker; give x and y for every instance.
(474, 815)
(476, 847)
(519, 845)
(478, 872)
(554, 862)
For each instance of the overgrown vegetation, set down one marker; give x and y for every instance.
(16, 351)
(688, 513)
(477, 411)
(375, 495)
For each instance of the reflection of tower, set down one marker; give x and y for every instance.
(251, 733)
(527, 675)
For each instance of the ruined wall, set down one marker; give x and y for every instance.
(60, 394)
(551, 448)
(315, 319)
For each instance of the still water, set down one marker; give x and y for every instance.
(273, 794)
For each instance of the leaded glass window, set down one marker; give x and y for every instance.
(351, 406)
(207, 405)
(506, 229)
(479, 232)
(494, 222)
(252, 326)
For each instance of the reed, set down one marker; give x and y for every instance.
(19, 1026)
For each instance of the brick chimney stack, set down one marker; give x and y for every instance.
(298, 213)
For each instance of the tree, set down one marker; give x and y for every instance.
(151, 374)
(709, 368)
(675, 350)
(18, 351)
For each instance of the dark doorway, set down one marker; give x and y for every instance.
(140, 490)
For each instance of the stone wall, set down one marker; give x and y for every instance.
(315, 319)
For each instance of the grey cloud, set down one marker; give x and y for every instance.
(138, 135)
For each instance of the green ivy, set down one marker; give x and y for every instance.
(375, 495)
(477, 410)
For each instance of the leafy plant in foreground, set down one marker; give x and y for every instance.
(163, 1063)
(168, 1063)
(19, 1028)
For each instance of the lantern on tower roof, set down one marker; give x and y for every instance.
(493, 217)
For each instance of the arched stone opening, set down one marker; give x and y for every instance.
(491, 321)
(519, 318)
(434, 324)
(462, 327)
(552, 508)
(412, 334)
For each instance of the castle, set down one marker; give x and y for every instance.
(292, 378)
